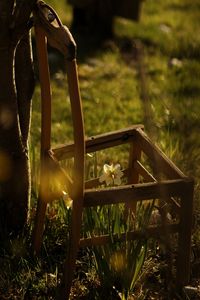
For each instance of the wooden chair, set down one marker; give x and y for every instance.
(165, 181)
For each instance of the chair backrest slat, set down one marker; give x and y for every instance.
(41, 45)
(78, 124)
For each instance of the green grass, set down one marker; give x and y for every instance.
(109, 93)
(111, 86)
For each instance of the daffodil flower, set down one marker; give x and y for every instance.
(111, 174)
(67, 200)
(155, 217)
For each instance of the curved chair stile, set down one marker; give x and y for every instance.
(43, 66)
(44, 31)
(78, 178)
(78, 128)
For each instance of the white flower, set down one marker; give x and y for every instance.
(67, 200)
(111, 174)
(155, 217)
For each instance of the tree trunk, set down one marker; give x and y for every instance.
(94, 18)
(15, 93)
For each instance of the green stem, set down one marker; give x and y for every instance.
(125, 294)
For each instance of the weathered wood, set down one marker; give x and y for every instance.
(41, 44)
(78, 126)
(78, 176)
(185, 234)
(151, 231)
(45, 136)
(133, 193)
(39, 226)
(90, 193)
(133, 176)
(160, 161)
(99, 142)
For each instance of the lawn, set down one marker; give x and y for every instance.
(149, 73)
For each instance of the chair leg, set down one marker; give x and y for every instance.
(134, 155)
(41, 209)
(39, 226)
(167, 238)
(70, 263)
(185, 232)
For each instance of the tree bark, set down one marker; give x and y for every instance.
(16, 77)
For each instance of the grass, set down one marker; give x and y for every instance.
(112, 92)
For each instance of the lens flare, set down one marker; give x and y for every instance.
(52, 183)
(6, 118)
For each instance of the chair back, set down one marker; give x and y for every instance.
(49, 28)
